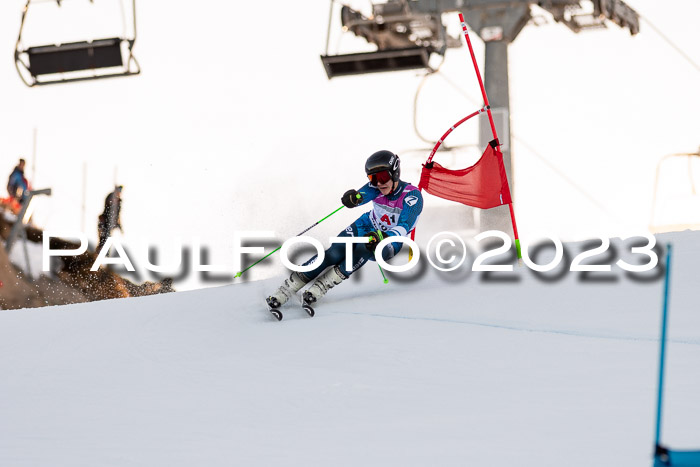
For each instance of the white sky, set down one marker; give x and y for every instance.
(233, 125)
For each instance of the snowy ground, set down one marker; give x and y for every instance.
(441, 371)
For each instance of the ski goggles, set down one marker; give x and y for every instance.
(379, 177)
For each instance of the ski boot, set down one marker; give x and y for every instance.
(318, 289)
(284, 293)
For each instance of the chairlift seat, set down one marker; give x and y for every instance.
(77, 61)
(75, 56)
(409, 58)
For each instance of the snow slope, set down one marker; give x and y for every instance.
(445, 370)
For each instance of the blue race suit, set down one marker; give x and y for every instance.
(395, 214)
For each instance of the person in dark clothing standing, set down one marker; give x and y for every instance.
(110, 218)
(18, 188)
(17, 185)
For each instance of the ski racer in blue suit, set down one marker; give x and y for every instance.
(397, 206)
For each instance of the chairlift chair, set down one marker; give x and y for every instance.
(405, 39)
(64, 62)
(657, 228)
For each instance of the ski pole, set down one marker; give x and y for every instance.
(386, 281)
(662, 342)
(381, 237)
(238, 274)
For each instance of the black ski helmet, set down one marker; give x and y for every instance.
(384, 160)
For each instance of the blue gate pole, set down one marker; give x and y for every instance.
(662, 356)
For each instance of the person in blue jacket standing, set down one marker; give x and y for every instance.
(17, 184)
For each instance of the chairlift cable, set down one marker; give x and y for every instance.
(415, 102)
(671, 43)
(460, 90)
(123, 14)
(419, 89)
(18, 45)
(328, 33)
(564, 177)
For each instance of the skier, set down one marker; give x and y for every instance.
(397, 205)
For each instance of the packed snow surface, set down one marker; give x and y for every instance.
(444, 369)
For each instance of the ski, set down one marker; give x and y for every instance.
(308, 309)
(276, 313)
(306, 304)
(273, 307)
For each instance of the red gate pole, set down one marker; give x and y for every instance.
(493, 127)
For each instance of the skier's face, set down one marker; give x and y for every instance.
(386, 187)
